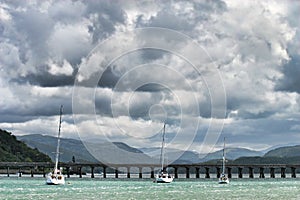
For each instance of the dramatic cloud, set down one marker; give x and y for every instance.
(119, 78)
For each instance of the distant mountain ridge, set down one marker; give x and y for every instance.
(289, 151)
(112, 152)
(278, 146)
(232, 154)
(68, 147)
(76, 148)
(179, 156)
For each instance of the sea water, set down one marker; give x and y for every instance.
(86, 188)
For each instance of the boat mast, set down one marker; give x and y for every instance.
(162, 148)
(58, 140)
(223, 169)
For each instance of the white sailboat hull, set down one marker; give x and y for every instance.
(223, 179)
(55, 179)
(164, 180)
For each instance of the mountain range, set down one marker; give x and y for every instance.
(107, 152)
(122, 153)
(178, 156)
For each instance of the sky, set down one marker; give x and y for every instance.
(208, 69)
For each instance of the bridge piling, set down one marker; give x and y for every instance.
(68, 172)
(128, 172)
(104, 171)
(187, 172)
(116, 173)
(92, 172)
(80, 172)
(229, 172)
(261, 172)
(272, 172)
(175, 172)
(152, 172)
(251, 174)
(218, 172)
(44, 174)
(293, 172)
(197, 172)
(207, 172)
(240, 172)
(140, 172)
(283, 172)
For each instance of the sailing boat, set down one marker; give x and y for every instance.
(163, 176)
(223, 178)
(56, 177)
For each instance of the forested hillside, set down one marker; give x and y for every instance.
(13, 150)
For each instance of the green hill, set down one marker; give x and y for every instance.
(290, 151)
(232, 154)
(13, 150)
(267, 160)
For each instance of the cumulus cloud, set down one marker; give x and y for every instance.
(131, 86)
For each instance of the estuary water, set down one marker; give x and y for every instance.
(86, 188)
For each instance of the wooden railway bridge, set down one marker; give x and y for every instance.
(207, 170)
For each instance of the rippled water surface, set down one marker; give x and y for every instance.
(35, 188)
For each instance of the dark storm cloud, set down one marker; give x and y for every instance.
(36, 27)
(291, 79)
(105, 15)
(47, 80)
(14, 118)
(108, 78)
(103, 106)
(30, 111)
(36, 33)
(112, 74)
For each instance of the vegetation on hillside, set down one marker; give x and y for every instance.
(267, 160)
(290, 151)
(13, 150)
(259, 160)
